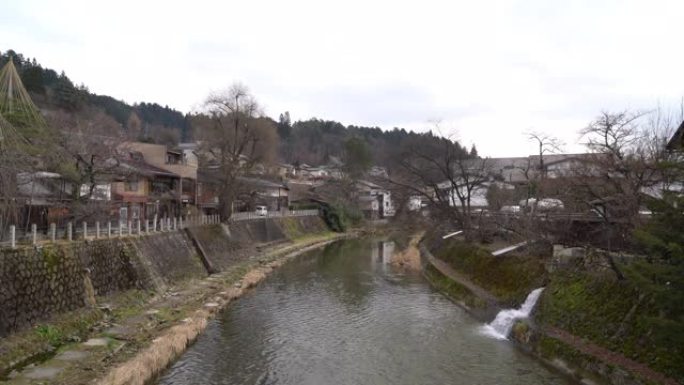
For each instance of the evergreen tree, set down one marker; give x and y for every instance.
(65, 95)
(660, 276)
(473, 151)
(284, 125)
(358, 158)
(32, 77)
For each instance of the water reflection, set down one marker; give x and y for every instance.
(382, 251)
(347, 315)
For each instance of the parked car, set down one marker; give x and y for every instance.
(550, 204)
(261, 210)
(510, 209)
(542, 205)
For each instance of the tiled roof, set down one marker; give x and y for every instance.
(144, 168)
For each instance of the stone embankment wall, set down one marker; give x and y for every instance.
(36, 283)
(165, 258)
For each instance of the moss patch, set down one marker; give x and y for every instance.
(42, 341)
(452, 289)
(291, 227)
(509, 278)
(616, 315)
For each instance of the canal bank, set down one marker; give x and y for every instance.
(218, 291)
(350, 313)
(585, 321)
(83, 344)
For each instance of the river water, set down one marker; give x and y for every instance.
(344, 315)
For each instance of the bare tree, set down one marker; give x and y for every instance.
(536, 174)
(545, 144)
(235, 138)
(87, 156)
(626, 151)
(446, 176)
(624, 161)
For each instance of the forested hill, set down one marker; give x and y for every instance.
(312, 141)
(53, 91)
(315, 141)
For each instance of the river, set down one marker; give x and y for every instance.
(344, 315)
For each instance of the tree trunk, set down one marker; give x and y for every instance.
(609, 257)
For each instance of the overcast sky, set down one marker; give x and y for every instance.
(487, 70)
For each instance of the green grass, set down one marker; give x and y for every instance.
(616, 315)
(451, 289)
(291, 228)
(42, 341)
(509, 278)
(50, 334)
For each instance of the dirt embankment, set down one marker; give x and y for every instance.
(410, 256)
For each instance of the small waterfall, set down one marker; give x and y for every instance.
(502, 324)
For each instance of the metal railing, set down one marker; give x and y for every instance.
(34, 236)
(247, 215)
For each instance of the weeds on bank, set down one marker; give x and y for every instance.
(50, 334)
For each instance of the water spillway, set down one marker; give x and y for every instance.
(503, 323)
(346, 315)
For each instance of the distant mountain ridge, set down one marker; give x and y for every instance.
(313, 141)
(51, 90)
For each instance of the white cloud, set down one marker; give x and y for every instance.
(489, 70)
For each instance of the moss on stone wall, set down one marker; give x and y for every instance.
(613, 314)
(510, 278)
(171, 257)
(297, 227)
(453, 290)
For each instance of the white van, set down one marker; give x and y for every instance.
(510, 209)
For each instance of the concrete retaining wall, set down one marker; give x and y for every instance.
(166, 258)
(224, 245)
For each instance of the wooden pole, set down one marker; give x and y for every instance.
(13, 236)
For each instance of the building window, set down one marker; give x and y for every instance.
(131, 185)
(123, 214)
(135, 211)
(174, 158)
